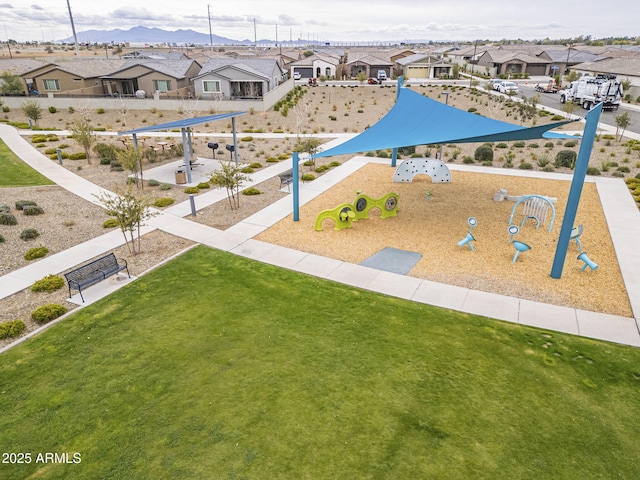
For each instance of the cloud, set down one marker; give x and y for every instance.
(6, 5)
(37, 7)
(137, 14)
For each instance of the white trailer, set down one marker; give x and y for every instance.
(588, 91)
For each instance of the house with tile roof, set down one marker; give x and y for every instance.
(19, 67)
(421, 65)
(316, 65)
(166, 77)
(238, 78)
(358, 62)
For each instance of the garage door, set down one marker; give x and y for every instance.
(306, 72)
(536, 70)
(417, 72)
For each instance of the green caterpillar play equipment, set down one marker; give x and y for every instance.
(345, 214)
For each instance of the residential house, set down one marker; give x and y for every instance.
(508, 62)
(143, 78)
(238, 78)
(562, 60)
(154, 54)
(19, 67)
(421, 65)
(369, 64)
(316, 65)
(75, 76)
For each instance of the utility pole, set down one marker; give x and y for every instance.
(210, 32)
(473, 64)
(73, 29)
(255, 34)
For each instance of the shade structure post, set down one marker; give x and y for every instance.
(296, 187)
(579, 174)
(235, 140)
(394, 156)
(187, 155)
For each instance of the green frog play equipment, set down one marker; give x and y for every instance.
(345, 214)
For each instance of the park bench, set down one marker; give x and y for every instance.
(94, 272)
(286, 178)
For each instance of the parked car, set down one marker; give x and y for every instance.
(382, 76)
(372, 81)
(297, 75)
(495, 83)
(508, 87)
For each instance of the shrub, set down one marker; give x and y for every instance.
(20, 204)
(502, 145)
(46, 313)
(32, 210)
(308, 177)
(153, 183)
(335, 163)
(11, 329)
(251, 191)
(191, 190)
(116, 167)
(556, 118)
(29, 234)
(272, 160)
(549, 145)
(64, 155)
(5, 208)
(484, 153)
(519, 144)
(525, 166)
(165, 186)
(566, 158)
(105, 161)
(37, 252)
(50, 151)
(48, 284)
(468, 160)
(163, 202)
(39, 139)
(110, 223)
(617, 174)
(78, 156)
(204, 185)
(593, 171)
(570, 143)
(623, 169)
(472, 109)
(548, 168)
(52, 109)
(100, 111)
(7, 218)
(247, 139)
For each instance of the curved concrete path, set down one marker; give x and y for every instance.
(620, 210)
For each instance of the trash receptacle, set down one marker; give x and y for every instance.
(181, 177)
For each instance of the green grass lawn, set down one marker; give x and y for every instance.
(15, 173)
(218, 367)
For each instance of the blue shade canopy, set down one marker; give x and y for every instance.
(185, 123)
(419, 120)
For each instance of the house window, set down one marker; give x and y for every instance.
(53, 85)
(211, 86)
(162, 85)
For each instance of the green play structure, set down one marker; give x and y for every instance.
(345, 214)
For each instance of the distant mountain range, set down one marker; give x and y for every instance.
(153, 35)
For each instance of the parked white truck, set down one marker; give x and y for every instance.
(589, 91)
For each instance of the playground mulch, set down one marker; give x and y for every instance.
(434, 227)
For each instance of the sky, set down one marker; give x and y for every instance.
(328, 20)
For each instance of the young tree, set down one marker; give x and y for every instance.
(230, 177)
(131, 160)
(130, 211)
(32, 110)
(623, 120)
(82, 133)
(311, 146)
(11, 84)
(569, 108)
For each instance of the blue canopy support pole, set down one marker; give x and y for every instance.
(400, 82)
(187, 155)
(235, 140)
(394, 156)
(296, 187)
(575, 191)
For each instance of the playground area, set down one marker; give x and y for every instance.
(432, 219)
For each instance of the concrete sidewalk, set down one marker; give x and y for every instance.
(620, 210)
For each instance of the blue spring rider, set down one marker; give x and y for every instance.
(519, 246)
(469, 237)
